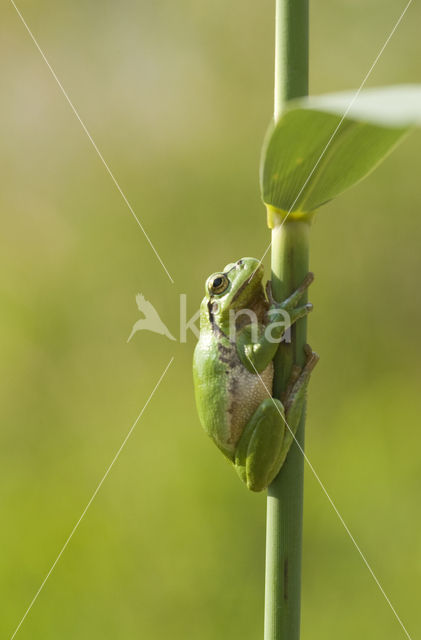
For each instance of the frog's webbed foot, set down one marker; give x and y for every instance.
(292, 301)
(297, 385)
(312, 358)
(290, 304)
(295, 374)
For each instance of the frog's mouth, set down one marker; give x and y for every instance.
(250, 287)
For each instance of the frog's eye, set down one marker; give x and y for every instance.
(218, 283)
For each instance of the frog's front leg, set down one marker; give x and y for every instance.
(267, 438)
(261, 445)
(291, 302)
(256, 351)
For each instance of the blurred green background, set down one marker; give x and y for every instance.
(177, 96)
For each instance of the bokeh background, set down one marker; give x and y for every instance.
(177, 96)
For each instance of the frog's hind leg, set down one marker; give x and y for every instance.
(267, 437)
(261, 444)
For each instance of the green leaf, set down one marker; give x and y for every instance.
(323, 145)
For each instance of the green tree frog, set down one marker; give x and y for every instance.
(240, 331)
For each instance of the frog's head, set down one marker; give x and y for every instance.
(236, 287)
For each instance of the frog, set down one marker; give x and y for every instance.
(241, 327)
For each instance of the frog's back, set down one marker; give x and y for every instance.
(227, 394)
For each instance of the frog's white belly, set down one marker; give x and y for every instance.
(246, 391)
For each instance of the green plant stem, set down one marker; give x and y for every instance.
(290, 260)
(291, 52)
(290, 255)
